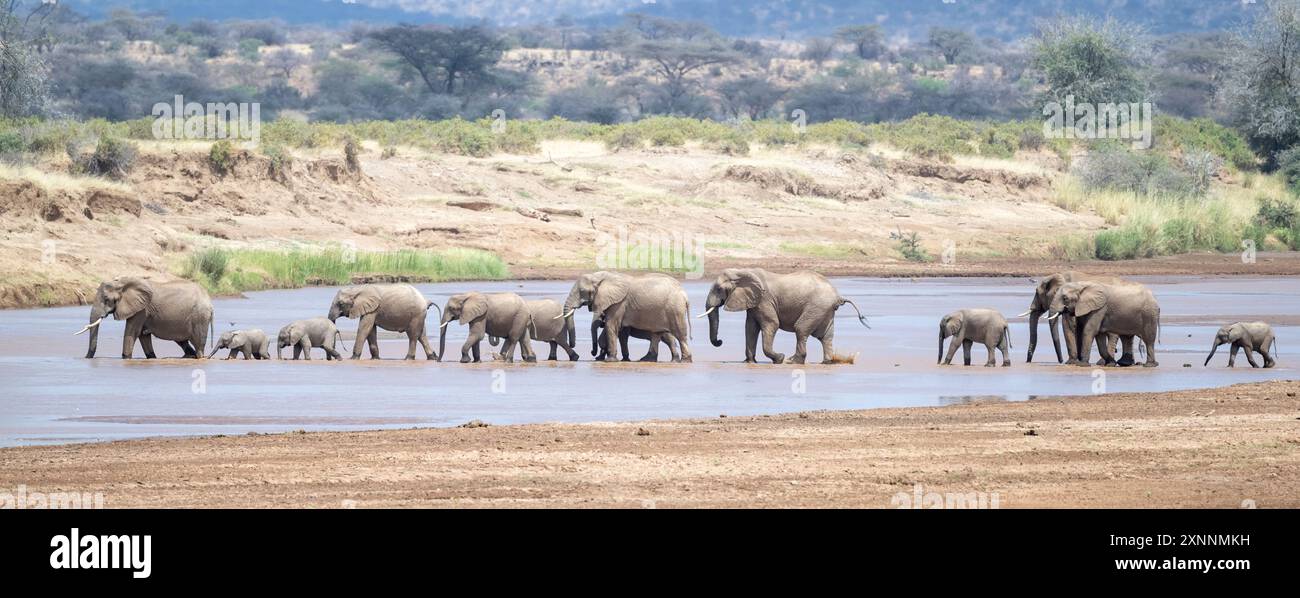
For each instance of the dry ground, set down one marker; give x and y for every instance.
(1200, 448)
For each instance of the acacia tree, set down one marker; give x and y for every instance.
(1263, 86)
(675, 60)
(1094, 62)
(867, 40)
(23, 75)
(443, 56)
(952, 43)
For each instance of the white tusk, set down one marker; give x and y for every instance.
(1050, 318)
(707, 312)
(444, 324)
(563, 315)
(88, 326)
(1024, 314)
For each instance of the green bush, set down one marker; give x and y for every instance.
(352, 152)
(1277, 213)
(112, 158)
(210, 263)
(518, 138)
(11, 142)
(1288, 163)
(281, 160)
(1183, 135)
(221, 157)
(624, 138)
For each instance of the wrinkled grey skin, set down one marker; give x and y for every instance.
(560, 333)
(303, 335)
(1125, 310)
(653, 303)
(801, 302)
(176, 311)
(600, 341)
(968, 326)
(395, 307)
(1251, 336)
(1042, 301)
(254, 344)
(503, 315)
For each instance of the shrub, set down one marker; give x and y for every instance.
(518, 138)
(221, 157)
(352, 152)
(1288, 163)
(112, 158)
(11, 143)
(210, 263)
(623, 138)
(280, 162)
(1125, 243)
(1115, 168)
(1277, 213)
(909, 244)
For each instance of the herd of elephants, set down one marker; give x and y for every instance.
(1105, 310)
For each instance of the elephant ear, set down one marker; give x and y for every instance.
(137, 296)
(747, 292)
(1235, 332)
(238, 339)
(1091, 298)
(475, 307)
(952, 324)
(366, 301)
(612, 290)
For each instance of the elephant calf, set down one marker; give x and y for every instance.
(600, 341)
(549, 327)
(1251, 336)
(968, 326)
(305, 334)
(254, 344)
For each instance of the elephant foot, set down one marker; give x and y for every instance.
(1082, 364)
(778, 358)
(648, 358)
(991, 365)
(750, 360)
(798, 359)
(1150, 364)
(1127, 360)
(1006, 364)
(689, 359)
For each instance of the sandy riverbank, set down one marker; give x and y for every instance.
(1201, 448)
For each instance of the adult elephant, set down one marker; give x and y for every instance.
(176, 311)
(1042, 301)
(1125, 310)
(503, 315)
(653, 303)
(800, 302)
(394, 307)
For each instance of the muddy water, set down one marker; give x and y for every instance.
(50, 394)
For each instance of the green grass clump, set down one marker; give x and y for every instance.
(228, 271)
(221, 157)
(1184, 135)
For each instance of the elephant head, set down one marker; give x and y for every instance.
(354, 302)
(1043, 294)
(1228, 334)
(950, 325)
(596, 290)
(229, 338)
(734, 290)
(465, 308)
(1077, 299)
(289, 336)
(124, 298)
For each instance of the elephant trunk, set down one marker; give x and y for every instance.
(334, 312)
(1056, 337)
(1033, 334)
(1213, 349)
(942, 336)
(442, 333)
(214, 351)
(279, 350)
(595, 334)
(713, 328)
(97, 314)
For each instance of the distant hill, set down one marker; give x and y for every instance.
(1006, 19)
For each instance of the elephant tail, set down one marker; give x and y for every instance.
(212, 335)
(1007, 333)
(434, 305)
(531, 331)
(338, 336)
(861, 318)
(571, 331)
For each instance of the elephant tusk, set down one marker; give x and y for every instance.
(1024, 314)
(710, 310)
(563, 315)
(88, 326)
(1050, 318)
(444, 324)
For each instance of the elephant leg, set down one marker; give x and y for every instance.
(1004, 345)
(1070, 330)
(508, 350)
(297, 352)
(952, 350)
(1107, 356)
(827, 339)
(992, 360)
(554, 348)
(769, 336)
(614, 338)
(1232, 357)
(1149, 339)
(623, 336)
(476, 333)
(965, 350)
(364, 327)
(653, 354)
(1268, 357)
(305, 345)
(1127, 358)
(1250, 353)
(330, 352)
(525, 343)
(186, 348)
(800, 347)
(676, 347)
(134, 327)
(568, 350)
(411, 341)
(751, 338)
(146, 343)
(681, 335)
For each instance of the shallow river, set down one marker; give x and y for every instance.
(50, 394)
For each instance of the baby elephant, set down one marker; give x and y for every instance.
(1251, 336)
(305, 334)
(252, 343)
(967, 326)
